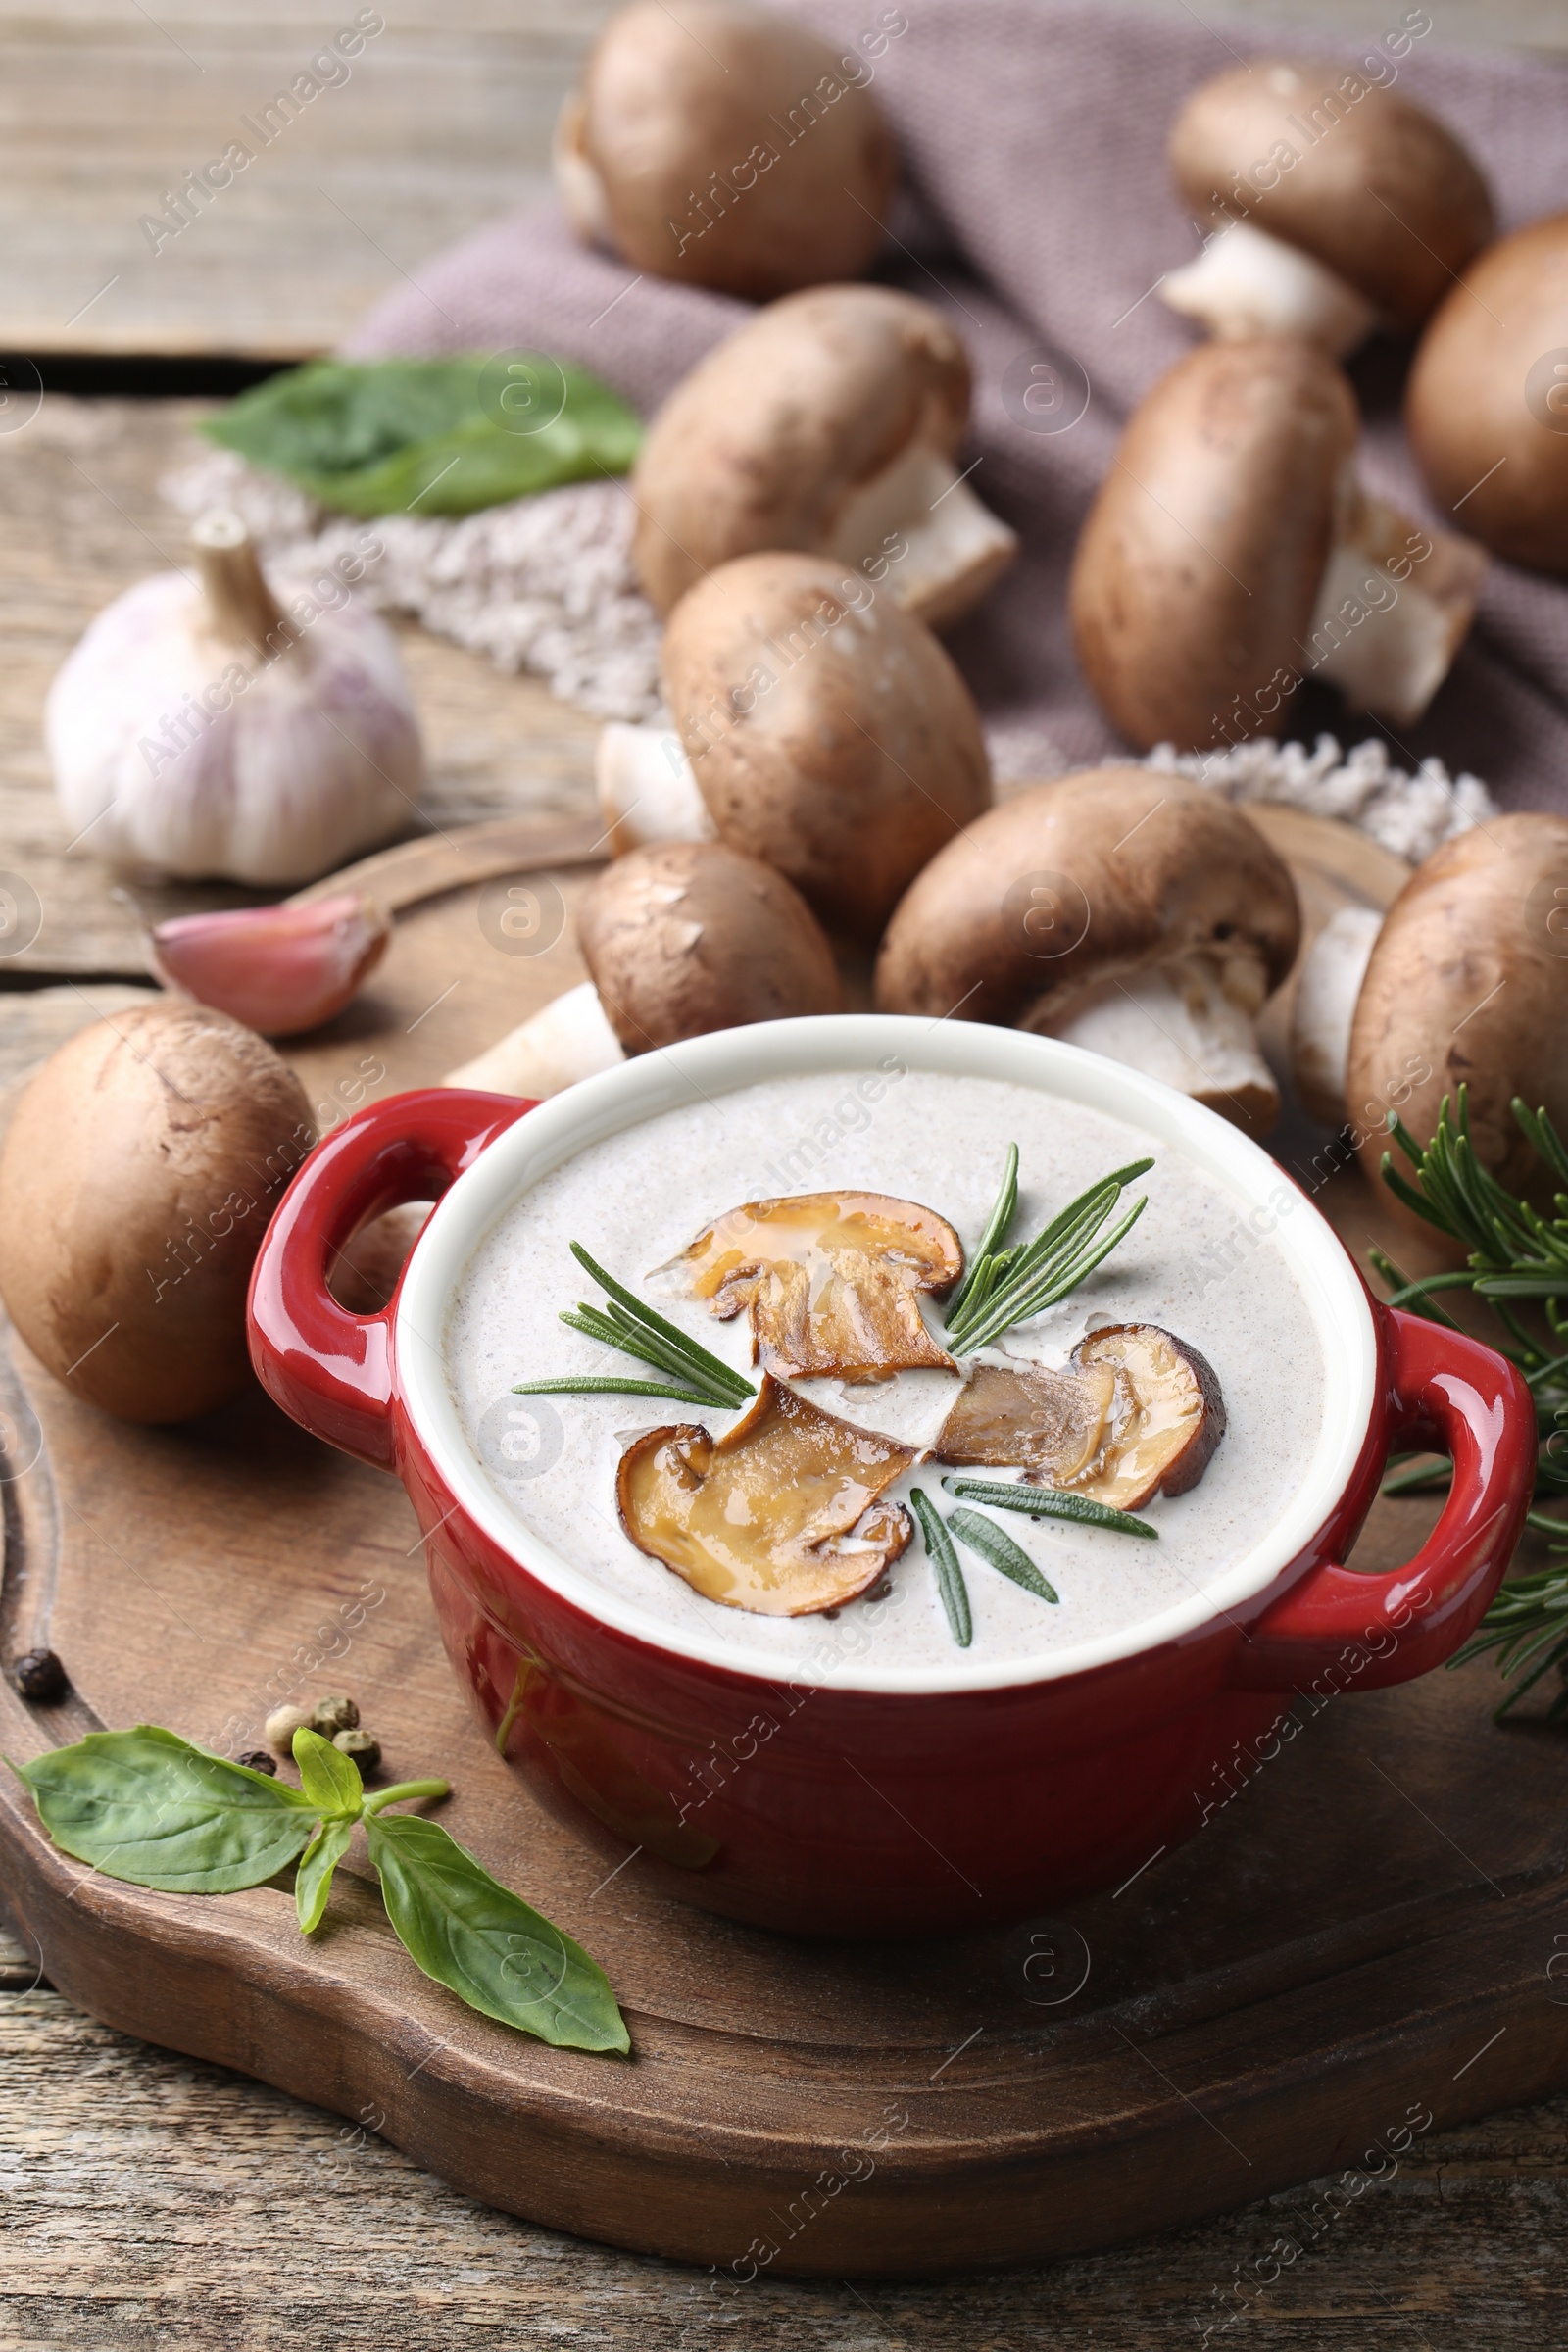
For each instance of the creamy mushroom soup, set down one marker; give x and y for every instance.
(1195, 1265)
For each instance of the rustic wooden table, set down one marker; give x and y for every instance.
(150, 2200)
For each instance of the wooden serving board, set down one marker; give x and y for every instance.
(1356, 1943)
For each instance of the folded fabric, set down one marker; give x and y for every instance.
(1038, 216)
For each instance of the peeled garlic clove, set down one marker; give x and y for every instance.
(278, 969)
(234, 728)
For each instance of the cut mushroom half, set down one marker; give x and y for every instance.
(1135, 914)
(1137, 1412)
(1338, 205)
(831, 1281)
(829, 423)
(1327, 987)
(679, 938)
(783, 1516)
(818, 727)
(1231, 554)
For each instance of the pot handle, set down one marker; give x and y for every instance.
(1450, 1393)
(331, 1370)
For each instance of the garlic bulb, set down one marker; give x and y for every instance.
(210, 731)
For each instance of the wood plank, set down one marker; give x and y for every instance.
(442, 122)
(154, 2198)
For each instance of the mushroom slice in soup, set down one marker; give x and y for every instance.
(783, 1516)
(831, 1281)
(1137, 1412)
(1049, 1424)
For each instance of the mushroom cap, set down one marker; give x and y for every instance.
(677, 112)
(1200, 560)
(1073, 883)
(828, 731)
(1467, 985)
(1487, 408)
(766, 442)
(1369, 184)
(689, 936)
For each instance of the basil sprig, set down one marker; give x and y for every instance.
(441, 436)
(147, 1807)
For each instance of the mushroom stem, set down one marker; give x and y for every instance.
(646, 791)
(577, 182)
(1331, 976)
(952, 546)
(1245, 282)
(241, 605)
(1383, 633)
(570, 1039)
(1181, 1023)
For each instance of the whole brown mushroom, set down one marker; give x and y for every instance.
(1135, 914)
(139, 1176)
(819, 728)
(726, 147)
(1337, 204)
(1231, 553)
(829, 423)
(1467, 985)
(1487, 406)
(679, 938)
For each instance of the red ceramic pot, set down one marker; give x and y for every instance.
(873, 1800)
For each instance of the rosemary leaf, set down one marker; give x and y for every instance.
(1053, 1263)
(588, 1383)
(994, 1543)
(993, 1236)
(945, 1560)
(691, 1349)
(1049, 1502)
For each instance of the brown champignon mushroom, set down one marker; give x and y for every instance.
(725, 147)
(141, 1168)
(831, 1281)
(1339, 205)
(1467, 985)
(1137, 1412)
(1133, 914)
(819, 728)
(782, 1516)
(828, 424)
(1487, 408)
(678, 939)
(1232, 553)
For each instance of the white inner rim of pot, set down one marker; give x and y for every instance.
(641, 1089)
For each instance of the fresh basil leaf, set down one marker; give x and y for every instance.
(312, 1880)
(394, 436)
(146, 1806)
(484, 1943)
(329, 1779)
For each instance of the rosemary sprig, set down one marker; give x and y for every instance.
(1049, 1502)
(945, 1560)
(1515, 1253)
(627, 1324)
(994, 1543)
(1006, 1284)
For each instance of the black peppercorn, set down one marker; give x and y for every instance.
(259, 1760)
(38, 1675)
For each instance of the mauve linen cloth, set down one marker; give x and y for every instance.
(1037, 215)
